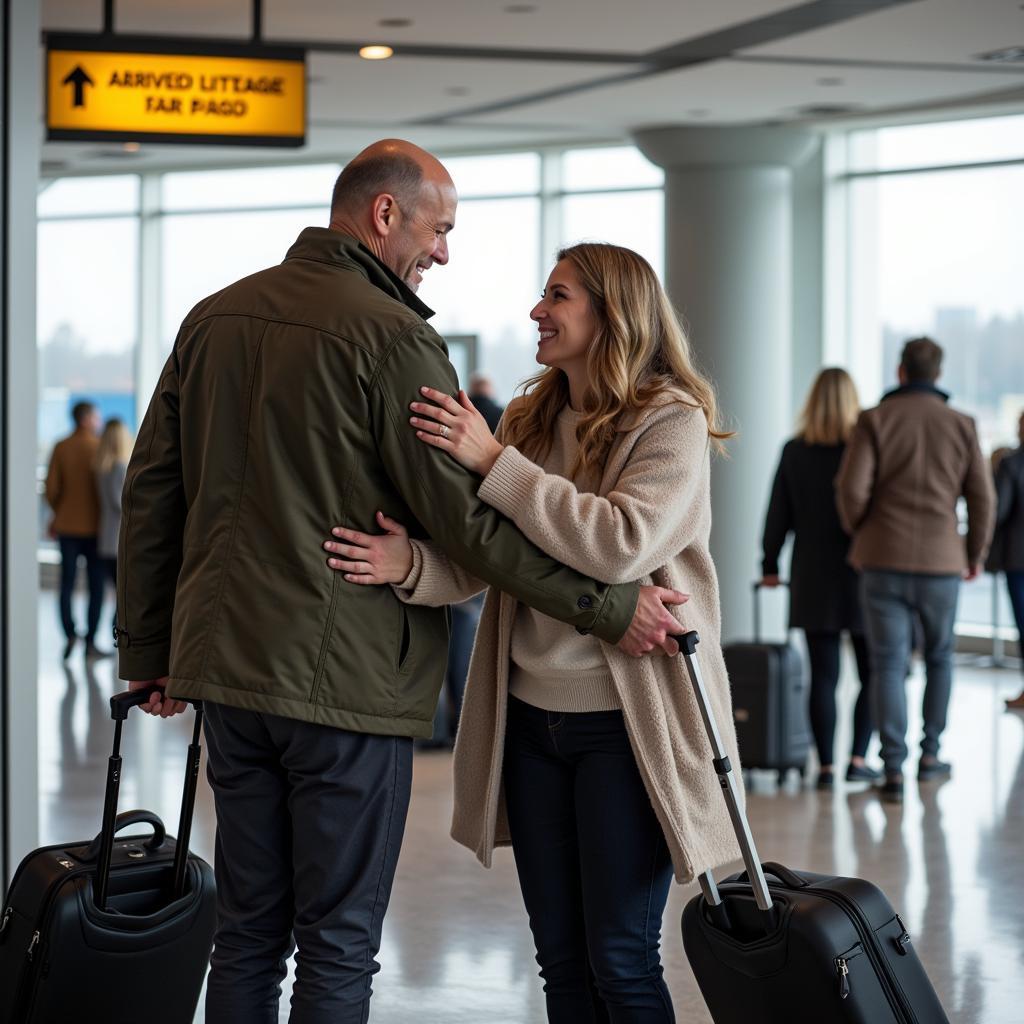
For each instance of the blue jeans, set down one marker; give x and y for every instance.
(1015, 585)
(71, 549)
(891, 600)
(593, 865)
(309, 824)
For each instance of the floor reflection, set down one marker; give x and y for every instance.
(456, 944)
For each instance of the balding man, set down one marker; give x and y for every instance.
(283, 410)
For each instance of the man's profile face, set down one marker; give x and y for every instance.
(419, 239)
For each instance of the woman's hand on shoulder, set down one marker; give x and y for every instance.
(371, 558)
(457, 428)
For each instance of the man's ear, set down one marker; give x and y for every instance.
(384, 213)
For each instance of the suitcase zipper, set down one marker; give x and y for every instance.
(844, 977)
(32, 945)
(867, 941)
(7, 918)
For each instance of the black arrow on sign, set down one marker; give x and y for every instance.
(79, 79)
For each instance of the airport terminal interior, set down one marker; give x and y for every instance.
(814, 182)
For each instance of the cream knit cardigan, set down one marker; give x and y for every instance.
(650, 520)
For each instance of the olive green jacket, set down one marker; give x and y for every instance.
(282, 411)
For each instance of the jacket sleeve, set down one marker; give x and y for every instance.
(778, 521)
(980, 496)
(856, 477)
(434, 579)
(150, 542)
(442, 496)
(54, 479)
(645, 520)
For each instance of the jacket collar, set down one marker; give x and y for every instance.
(327, 246)
(916, 388)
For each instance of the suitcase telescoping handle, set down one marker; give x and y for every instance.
(688, 647)
(758, 586)
(120, 705)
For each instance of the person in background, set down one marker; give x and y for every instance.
(71, 493)
(482, 394)
(115, 449)
(824, 598)
(907, 463)
(594, 767)
(1008, 543)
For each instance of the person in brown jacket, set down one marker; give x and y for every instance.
(907, 464)
(72, 494)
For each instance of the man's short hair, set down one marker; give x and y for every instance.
(362, 180)
(80, 410)
(921, 360)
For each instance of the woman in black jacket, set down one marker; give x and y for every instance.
(823, 587)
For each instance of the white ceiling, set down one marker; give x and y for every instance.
(453, 97)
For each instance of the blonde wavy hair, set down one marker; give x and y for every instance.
(639, 352)
(115, 446)
(831, 410)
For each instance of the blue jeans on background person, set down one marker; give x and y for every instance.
(890, 601)
(465, 619)
(71, 549)
(1015, 586)
(593, 865)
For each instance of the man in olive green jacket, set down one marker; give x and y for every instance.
(283, 410)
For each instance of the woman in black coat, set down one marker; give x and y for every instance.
(824, 597)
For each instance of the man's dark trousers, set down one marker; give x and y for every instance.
(309, 825)
(71, 549)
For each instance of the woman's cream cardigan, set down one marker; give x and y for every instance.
(650, 520)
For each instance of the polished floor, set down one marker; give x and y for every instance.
(456, 946)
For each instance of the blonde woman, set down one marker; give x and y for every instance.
(593, 765)
(824, 589)
(111, 462)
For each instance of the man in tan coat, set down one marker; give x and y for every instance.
(907, 464)
(72, 494)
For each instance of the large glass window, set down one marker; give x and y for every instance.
(934, 250)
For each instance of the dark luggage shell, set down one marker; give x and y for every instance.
(144, 955)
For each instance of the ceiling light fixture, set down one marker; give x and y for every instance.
(395, 22)
(1011, 55)
(830, 81)
(520, 8)
(376, 52)
(456, 90)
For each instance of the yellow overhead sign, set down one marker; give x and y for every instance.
(179, 98)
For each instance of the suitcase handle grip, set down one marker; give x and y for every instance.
(122, 703)
(125, 820)
(788, 878)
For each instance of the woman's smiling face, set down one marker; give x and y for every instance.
(565, 319)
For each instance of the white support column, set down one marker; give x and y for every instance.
(22, 113)
(729, 270)
(150, 353)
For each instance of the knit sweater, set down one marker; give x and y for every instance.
(648, 519)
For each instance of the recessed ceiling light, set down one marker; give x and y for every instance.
(376, 52)
(395, 22)
(456, 90)
(520, 8)
(1011, 55)
(830, 81)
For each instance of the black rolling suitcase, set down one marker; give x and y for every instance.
(796, 948)
(110, 931)
(769, 702)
